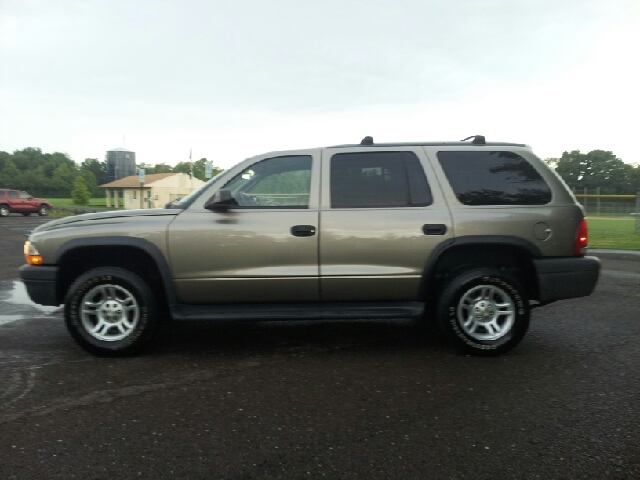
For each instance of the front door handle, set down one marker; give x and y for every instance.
(303, 231)
(434, 229)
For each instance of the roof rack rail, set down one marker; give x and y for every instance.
(477, 139)
(367, 141)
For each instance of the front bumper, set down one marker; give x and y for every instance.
(562, 278)
(40, 281)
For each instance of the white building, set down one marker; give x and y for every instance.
(158, 190)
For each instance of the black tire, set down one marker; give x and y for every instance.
(4, 210)
(122, 309)
(484, 311)
(43, 210)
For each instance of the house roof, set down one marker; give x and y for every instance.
(134, 180)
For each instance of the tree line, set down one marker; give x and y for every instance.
(55, 175)
(597, 169)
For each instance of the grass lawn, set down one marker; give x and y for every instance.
(613, 233)
(97, 204)
(68, 203)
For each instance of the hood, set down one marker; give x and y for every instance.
(101, 217)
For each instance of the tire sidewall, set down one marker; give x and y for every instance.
(43, 210)
(4, 211)
(115, 276)
(448, 311)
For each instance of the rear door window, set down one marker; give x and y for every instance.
(378, 179)
(493, 178)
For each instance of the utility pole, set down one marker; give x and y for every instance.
(191, 164)
(141, 178)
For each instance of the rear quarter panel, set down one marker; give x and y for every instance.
(562, 215)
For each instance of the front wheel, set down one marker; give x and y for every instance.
(43, 211)
(111, 312)
(484, 311)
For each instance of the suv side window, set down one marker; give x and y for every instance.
(378, 179)
(280, 182)
(25, 195)
(13, 194)
(493, 178)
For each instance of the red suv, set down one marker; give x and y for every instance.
(15, 201)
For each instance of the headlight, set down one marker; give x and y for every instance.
(31, 254)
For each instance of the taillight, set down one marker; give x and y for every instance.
(582, 239)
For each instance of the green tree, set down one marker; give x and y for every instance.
(148, 168)
(198, 168)
(63, 180)
(598, 168)
(10, 176)
(4, 156)
(80, 193)
(35, 182)
(91, 183)
(162, 168)
(97, 168)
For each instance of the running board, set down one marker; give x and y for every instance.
(297, 311)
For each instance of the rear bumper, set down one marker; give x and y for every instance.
(562, 278)
(40, 282)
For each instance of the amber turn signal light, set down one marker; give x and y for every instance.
(31, 254)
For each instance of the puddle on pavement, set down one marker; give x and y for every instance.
(15, 303)
(10, 318)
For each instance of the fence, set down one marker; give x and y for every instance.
(599, 205)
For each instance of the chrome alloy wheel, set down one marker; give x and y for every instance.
(486, 312)
(109, 312)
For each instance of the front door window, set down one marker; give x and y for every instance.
(281, 182)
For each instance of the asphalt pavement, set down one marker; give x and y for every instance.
(326, 400)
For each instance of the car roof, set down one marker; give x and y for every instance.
(431, 144)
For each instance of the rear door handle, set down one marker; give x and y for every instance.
(303, 231)
(434, 229)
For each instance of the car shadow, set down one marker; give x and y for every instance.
(301, 336)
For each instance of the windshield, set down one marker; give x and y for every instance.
(188, 200)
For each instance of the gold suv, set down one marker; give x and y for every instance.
(471, 233)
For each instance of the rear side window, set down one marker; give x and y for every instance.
(494, 178)
(13, 194)
(378, 179)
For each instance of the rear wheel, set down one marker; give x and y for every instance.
(485, 312)
(111, 312)
(4, 210)
(43, 210)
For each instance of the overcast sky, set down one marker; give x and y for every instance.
(237, 78)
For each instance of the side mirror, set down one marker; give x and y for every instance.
(221, 201)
